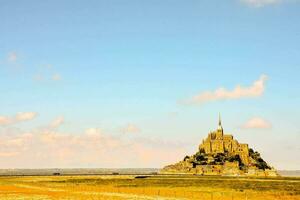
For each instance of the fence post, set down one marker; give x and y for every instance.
(211, 196)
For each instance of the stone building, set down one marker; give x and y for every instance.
(218, 142)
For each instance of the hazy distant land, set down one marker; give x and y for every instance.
(103, 171)
(294, 173)
(78, 171)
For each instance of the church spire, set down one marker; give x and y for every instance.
(220, 123)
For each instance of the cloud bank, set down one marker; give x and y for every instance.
(25, 116)
(48, 147)
(19, 117)
(255, 90)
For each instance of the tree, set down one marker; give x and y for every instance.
(186, 158)
(251, 151)
(200, 158)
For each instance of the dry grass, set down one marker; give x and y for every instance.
(150, 188)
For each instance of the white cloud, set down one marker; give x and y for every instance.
(25, 116)
(57, 122)
(260, 3)
(131, 128)
(257, 123)
(255, 90)
(19, 117)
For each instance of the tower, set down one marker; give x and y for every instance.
(220, 128)
(217, 144)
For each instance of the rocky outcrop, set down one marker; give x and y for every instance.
(221, 154)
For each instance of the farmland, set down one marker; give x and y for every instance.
(148, 187)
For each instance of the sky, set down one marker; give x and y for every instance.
(141, 83)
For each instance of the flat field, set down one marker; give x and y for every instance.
(129, 187)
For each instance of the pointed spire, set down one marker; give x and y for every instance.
(220, 123)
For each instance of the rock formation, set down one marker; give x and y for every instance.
(221, 154)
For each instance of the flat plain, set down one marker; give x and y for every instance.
(148, 187)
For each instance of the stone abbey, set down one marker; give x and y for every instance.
(221, 154)
(217, 142)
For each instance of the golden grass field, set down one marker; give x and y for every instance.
(129, 187)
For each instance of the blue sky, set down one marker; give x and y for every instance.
(125, 67)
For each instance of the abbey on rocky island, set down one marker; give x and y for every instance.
(217, 142)
(221, 154)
